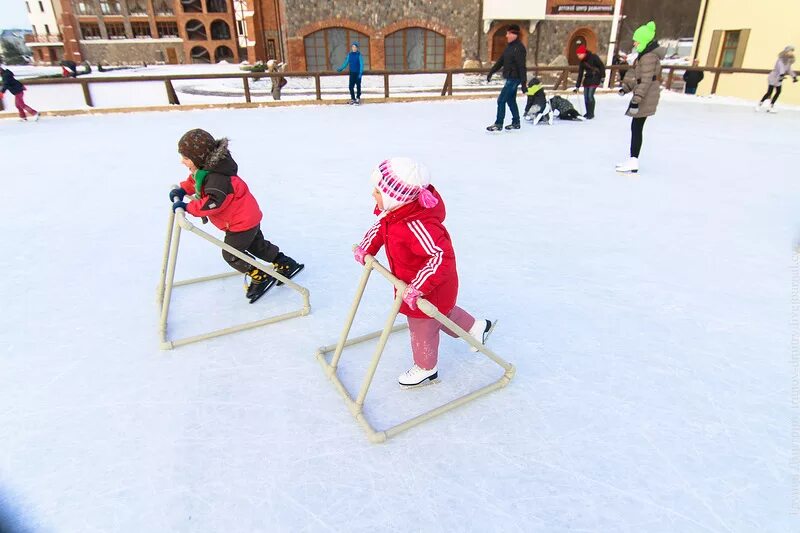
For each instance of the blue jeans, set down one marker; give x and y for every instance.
(508, 95)
(588, 99)
(355, 81)
(691, 90)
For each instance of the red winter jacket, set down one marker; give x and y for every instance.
(225, 199)
(419, 251)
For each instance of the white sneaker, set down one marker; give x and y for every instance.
(481, 330)
(629, 166)
(417, 376)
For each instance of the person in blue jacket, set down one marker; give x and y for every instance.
(355, 62)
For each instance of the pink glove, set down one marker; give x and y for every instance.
(359, 254)
(410, 296)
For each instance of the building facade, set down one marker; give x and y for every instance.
(743, 34)
(142, 31)
(45, 42)
(422, 34)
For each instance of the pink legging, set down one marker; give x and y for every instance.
(425, 336)
(19, 100)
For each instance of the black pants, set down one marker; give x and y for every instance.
(769, 93)
(251, 242)
(637, 125)
(572, 114)
(355, 81)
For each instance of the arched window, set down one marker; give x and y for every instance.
(326, 49)
(192, 6)
(217, 6)
(220, 31)
(414, 49)
(196, 31)
(223, 53)
(200, 55)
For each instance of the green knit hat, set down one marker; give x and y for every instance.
(644, 35)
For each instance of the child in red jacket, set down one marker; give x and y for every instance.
(410, 223)
(224, 198)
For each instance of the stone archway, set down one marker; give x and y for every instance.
(497, 37)
(580, 36)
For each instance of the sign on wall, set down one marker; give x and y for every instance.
(580, 7)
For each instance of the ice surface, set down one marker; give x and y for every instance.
(648, 318)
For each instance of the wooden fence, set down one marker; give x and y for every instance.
(556, 77)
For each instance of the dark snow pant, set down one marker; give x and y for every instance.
(588, 99)
(355, 81)
(251, 242)
(508, 96)
(569, 115)
(769, 93)
(637, 125)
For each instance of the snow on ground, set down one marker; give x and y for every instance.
(648, 318)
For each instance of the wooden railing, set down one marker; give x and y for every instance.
(557, 78)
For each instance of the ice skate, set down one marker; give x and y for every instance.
(416, 376)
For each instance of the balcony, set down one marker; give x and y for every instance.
(42, 39)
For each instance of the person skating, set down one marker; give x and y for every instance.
(591, 73)
(537, 108)
(224, 198)
(512, 61)
(564, 110)
(692, 78)
(420, 253)
(355, 63)
(646, 87)
(13, 85)
(783, 68)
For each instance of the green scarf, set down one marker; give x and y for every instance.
(199, 179)
(533, 89)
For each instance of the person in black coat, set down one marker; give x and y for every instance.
(692, 78)
(514, 71)
(12, 85)
(592, 72)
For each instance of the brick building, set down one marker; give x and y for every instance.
(421, 34)
(135, 31)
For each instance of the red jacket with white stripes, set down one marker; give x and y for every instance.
(419, 251)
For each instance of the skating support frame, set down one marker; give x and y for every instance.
(356, 405)
(177, 222)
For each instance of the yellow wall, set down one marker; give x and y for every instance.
(773, 25)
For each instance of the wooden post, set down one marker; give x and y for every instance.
(386, 86)
(716, 81)
(87, 96)
(448, 84)
(246, 83)
(172, 96)
(669, 78)
(319, 87)
(611, 78)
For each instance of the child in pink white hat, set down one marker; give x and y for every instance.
(410, 225)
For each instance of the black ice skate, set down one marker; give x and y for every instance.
(513, 126)
(260, 283)
(495, 127)
(286, 266)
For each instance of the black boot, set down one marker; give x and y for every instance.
(260, 282)
(286, 266)
(513, 126)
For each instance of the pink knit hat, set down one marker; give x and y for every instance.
(401, 181)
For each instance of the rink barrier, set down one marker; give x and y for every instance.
(558, 78)
(177, 222)
(356, 405)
